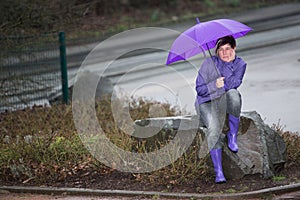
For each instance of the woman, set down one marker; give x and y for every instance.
(217, 94)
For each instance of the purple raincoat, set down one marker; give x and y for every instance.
(206, 80)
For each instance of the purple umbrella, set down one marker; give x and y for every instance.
(203, 36)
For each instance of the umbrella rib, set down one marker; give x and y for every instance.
(208, 50)
(211, 58)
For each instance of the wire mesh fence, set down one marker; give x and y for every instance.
(29, 71)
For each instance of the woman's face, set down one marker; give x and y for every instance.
(226, 53)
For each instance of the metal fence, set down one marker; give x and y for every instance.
(30, 71)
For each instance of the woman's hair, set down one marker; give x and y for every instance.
(226, 40)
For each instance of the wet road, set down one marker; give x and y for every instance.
(271, 84)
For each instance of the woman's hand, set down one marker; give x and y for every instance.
(220, 82)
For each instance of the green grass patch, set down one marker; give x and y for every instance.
(278, 178)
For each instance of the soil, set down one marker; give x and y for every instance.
(115, 180)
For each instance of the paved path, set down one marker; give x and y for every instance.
(23, 196)
(58, 197)
(292, 195)
(49, 193)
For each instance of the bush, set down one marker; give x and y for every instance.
(41, 145)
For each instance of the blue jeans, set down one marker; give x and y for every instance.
(212, 114)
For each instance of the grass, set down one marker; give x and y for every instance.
(41, 145)
(278, 178)
(231, 190)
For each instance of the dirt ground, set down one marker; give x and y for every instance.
(126, 181)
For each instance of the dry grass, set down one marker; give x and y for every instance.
(41, 145)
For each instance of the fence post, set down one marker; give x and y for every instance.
(63, 66)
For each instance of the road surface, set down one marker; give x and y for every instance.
(270, 86)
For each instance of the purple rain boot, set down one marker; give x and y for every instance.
(216, 156)
(232, 133)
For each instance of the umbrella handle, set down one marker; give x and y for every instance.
(197, 20)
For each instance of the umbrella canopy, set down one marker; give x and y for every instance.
(203, 36)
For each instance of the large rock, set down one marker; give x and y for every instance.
(261, 149)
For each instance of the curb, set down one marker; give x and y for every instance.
(96, 192)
